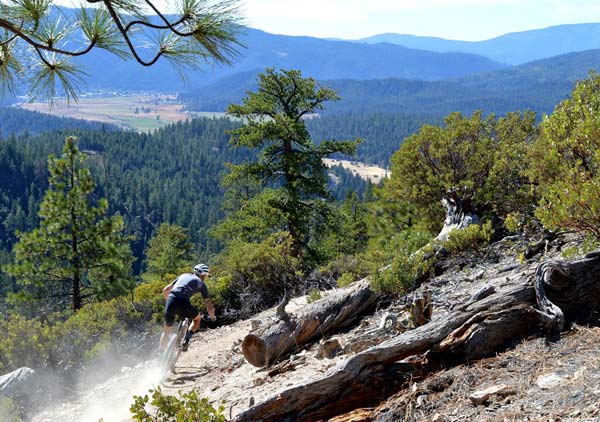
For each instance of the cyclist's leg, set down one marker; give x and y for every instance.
(192, 313)
(170, 312)
(195, 323)
(165, 335)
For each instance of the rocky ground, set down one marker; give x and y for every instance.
(531, 380)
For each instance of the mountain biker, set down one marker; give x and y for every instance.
(177, 294)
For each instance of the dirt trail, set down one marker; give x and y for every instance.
(214, 365)
(108, 401)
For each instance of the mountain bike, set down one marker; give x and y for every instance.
(174, 346)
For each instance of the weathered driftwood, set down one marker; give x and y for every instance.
(422, 308)
(522, 302)
(336, 311)
(569, 288)
(459, 213)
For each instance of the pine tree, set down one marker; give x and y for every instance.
(169, 250)
(78, 252)
(274, 124)
(204, 30)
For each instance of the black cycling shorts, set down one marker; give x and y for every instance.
(178, 306)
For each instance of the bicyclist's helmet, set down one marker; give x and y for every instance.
(201, 269)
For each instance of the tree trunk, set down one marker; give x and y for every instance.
(478, 328)
(333, 312)
(459, 214)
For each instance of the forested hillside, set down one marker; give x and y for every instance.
(538, 86)
(15, 121)
(382, 133)
(322, 59)
(173, 175)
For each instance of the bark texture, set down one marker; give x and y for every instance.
(518, 305)
(341, 309)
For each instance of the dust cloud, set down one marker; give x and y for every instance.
(98, 396)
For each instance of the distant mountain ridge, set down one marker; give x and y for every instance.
(538, 86)
(513, 48)
(321, 59)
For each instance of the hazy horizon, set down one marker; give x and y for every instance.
(464, 20)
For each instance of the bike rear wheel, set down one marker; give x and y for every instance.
(173, 349)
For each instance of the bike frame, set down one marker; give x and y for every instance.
(173, 349)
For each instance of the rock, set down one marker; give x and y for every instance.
(297, 359)
(259, 381)
(481, 396)
(17, 382)
(551, 380)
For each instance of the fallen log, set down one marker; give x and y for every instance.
(522, 303)
(334, 312)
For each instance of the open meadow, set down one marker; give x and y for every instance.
(142, 113)
(365, 171)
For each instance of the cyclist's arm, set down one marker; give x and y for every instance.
(168, 289)
(206, 296)
(210, 308)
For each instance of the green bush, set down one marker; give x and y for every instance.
(412, 260)
(24, 342)
(346, 269)
(220, 289)
(565, 163)
(589, 244)
(470, 238)
(512, 222)
(150, 295)
(405, 271)
(90, 331)
(313, 296)
(9, 411)
(346, 279)
(188, 407)
(67, 344)
(260, 270)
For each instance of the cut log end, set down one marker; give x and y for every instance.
(255, 350)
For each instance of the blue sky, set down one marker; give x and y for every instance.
(471, 20)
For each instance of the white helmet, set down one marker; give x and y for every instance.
(201, 269)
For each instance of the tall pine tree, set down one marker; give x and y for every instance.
(274, 124)
(78, 252)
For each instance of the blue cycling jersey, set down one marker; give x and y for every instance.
(187, 285)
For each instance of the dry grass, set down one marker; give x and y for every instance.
(365, 171)
(141, 113)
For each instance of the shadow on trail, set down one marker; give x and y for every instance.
(185, 377)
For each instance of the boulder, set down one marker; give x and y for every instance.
(17, 383)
